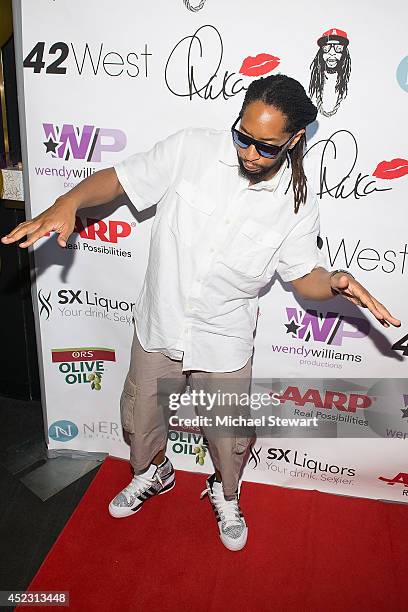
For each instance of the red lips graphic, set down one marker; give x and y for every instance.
(261, 64)
(392, 169)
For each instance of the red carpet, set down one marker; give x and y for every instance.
(306, 551)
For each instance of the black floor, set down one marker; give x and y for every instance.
(28, 526)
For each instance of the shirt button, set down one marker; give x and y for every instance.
(212, 250)
(227, 221)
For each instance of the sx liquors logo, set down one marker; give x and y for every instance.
(83, 365)
(83, 303)
(254, 459)
(293, 463)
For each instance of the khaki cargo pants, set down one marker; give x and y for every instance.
(145, 413)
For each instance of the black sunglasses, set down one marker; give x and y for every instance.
(264, 149)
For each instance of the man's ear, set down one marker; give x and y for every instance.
(297, 138)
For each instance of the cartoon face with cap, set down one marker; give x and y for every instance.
(332, 52)
(332, 58)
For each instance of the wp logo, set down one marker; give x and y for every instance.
(86, 143)
(330, 328)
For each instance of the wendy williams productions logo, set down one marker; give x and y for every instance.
(330, 329)
(330, 71)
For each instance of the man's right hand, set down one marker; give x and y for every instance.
(60, 218)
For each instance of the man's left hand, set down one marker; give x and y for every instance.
(349, 288)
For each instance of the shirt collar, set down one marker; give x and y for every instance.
(228, 157)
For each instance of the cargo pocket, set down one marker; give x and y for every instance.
(127, 404)
(241, 445)
(244, 435)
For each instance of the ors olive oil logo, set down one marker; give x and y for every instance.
(200, 453)
(189, 443)
(83, 365)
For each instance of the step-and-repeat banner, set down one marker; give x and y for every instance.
(99, 81)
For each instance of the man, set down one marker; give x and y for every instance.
(232, 208)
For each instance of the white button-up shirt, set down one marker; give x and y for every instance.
(215, 242)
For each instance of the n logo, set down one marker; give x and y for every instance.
(63, 431)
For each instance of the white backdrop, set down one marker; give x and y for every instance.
(99, 82)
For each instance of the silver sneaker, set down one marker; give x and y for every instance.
(157, 479)
(231, 523)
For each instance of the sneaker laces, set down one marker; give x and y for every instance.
(227, 509)
(140, 483)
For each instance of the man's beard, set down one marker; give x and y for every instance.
(261, 174)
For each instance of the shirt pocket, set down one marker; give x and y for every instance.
(190, 211)
(253, 248)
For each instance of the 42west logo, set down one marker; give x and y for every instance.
(401, 345)
(61, 58)
(98, 306)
